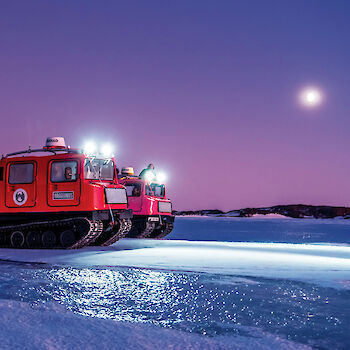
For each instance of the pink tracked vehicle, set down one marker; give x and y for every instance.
(152, 210)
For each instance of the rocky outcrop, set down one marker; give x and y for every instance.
(214, 212)
(293, 210)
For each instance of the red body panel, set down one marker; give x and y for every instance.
(81, 194)
(144, 204)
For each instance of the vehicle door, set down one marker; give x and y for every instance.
(21, 184)
(64, 184)
(134, 191)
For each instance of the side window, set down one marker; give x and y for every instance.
(64, 171)
(133, 190)
(21, 173)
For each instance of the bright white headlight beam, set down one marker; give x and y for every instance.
(161, 177)
(89, 147)
(107, 150)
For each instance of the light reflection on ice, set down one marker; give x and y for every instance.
(323, 264)
(113, 294)
(201, 303)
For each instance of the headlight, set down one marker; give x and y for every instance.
(116, 196)
(164, 207)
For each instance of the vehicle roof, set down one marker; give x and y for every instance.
(131, 179)
(136, 179)
(43, 154)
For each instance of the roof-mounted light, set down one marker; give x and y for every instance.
(161, 177)
(89, 147)
(107, 150)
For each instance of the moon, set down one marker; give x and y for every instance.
(310, 97)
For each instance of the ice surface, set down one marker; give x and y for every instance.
(245, 294)
(286, 230)
(324, 264)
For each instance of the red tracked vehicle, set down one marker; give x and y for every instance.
(57, 197)
(152, 217)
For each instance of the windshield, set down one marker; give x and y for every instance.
(99, 169)
(155, 190)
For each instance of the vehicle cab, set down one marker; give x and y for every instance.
(52, 179)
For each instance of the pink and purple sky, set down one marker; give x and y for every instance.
(207, 90)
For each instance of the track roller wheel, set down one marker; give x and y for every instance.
(33, 239)
(82, 227)
(67, 238)
(17, 239)
(48, 239)
(3, 240)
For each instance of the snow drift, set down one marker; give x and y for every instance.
(51, 326)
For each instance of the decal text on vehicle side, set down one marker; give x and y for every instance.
(63, 195)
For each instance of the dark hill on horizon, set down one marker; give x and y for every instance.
(293, 210)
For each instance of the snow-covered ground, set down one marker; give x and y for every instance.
(53, 327)
(216, 283)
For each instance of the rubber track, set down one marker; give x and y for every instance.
(168, 228)
(148, 230)
(96, 228)
(124, 228)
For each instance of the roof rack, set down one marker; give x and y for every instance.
(54, 151)
(127, 177)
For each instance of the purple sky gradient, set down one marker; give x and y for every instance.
(207, 90)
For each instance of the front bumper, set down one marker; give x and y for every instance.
(162, 218)
(123, 214)
(105, 215)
